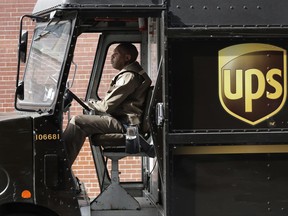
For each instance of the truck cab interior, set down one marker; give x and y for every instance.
(113, 146)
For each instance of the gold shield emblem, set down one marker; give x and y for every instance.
(252, 81)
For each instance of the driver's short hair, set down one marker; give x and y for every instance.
(129, 48)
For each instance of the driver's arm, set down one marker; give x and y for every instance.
(125, 84)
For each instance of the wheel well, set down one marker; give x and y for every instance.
(25, 209)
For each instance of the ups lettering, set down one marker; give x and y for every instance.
(252, 81)
(245, 78)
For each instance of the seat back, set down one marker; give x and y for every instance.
(145, 125)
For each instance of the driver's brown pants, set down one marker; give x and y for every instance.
(82, 126)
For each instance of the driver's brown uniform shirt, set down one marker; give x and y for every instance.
(125, 98)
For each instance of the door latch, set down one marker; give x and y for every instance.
(159, 114)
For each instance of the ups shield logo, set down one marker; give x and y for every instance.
(252, 81)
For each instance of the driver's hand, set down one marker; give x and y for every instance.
(88, 104)
(92, 105)
(92, 101)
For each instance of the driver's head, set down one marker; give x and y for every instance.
(124, 54)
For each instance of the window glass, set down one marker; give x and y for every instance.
(44, 65)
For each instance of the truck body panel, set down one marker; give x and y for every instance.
(218, 14)
(16, 141)
(218, 112)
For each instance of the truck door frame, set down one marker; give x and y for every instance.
(104, 42)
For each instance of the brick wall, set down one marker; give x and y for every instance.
(10, 13)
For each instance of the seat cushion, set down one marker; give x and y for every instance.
(109, 140)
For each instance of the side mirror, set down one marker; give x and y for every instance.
(20, 91)
(23, 46)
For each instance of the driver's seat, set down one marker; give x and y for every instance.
(114, 196)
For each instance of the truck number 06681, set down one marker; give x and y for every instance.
(53, 136)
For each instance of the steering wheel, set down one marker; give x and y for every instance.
(75, 97)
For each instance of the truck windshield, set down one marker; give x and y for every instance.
(44, 65)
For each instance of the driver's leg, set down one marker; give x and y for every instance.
(82, 126)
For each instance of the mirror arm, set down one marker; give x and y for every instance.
(20, 91)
